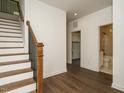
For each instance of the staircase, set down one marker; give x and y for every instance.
(16, 74)
(20, 72)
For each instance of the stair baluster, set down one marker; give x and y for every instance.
(36, 57)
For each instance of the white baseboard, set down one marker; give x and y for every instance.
(118, 87)
(69, 62)
(55, 73)
(89, 68)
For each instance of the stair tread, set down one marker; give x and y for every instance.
(9, 48)
(11, 32)
(15, 72)
(18, 84)
(12, 36)
(10, 28)
(13, 62)
(11, 41)
(9, 25)
(12, 54)
(10, 20)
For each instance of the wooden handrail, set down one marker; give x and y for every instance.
(30, 29)
(34, 38)
(39, 59)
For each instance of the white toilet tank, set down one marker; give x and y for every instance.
(107, 60)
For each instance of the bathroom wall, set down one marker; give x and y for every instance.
(106, 39)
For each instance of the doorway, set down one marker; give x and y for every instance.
(106, 49)
(76, 47)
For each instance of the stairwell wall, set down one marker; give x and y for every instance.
(24, 26)
(49, 26)
(118, 44)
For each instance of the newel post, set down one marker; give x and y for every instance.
(40, 68)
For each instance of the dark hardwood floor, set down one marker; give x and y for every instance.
(79, 80)
(76, 62)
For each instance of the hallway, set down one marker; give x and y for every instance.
(79, 80)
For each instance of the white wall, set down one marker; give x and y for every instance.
(49, 25)
(89, 26)
(118, 44)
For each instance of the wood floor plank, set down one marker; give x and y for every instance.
(79, 80)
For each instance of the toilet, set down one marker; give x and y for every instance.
(107, 61)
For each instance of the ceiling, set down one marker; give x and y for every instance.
(81, 7)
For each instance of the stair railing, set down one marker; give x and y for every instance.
(19, 10)
(35, 54)
(8, 6)
(35, 48)
(36, 57)
(11, 7)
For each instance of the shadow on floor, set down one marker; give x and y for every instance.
(76, 62)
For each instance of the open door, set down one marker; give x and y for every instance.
(106, 49)
(76, 38)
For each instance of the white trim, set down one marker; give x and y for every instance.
(118, 87)
(55, 73)
(80, 46)
(69, 62)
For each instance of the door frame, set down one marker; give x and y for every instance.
(99, 44)
(80, 46)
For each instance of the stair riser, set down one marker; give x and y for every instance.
(9, 21)
(9, 30)
(11, 45)
(11, 27)
(25, 89)
(10, 39)
(15, 78)
(6, 23)
(10, 34)
(15, 67)
(13, 58)
(9, 51)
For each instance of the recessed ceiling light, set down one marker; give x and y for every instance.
(75, 14)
